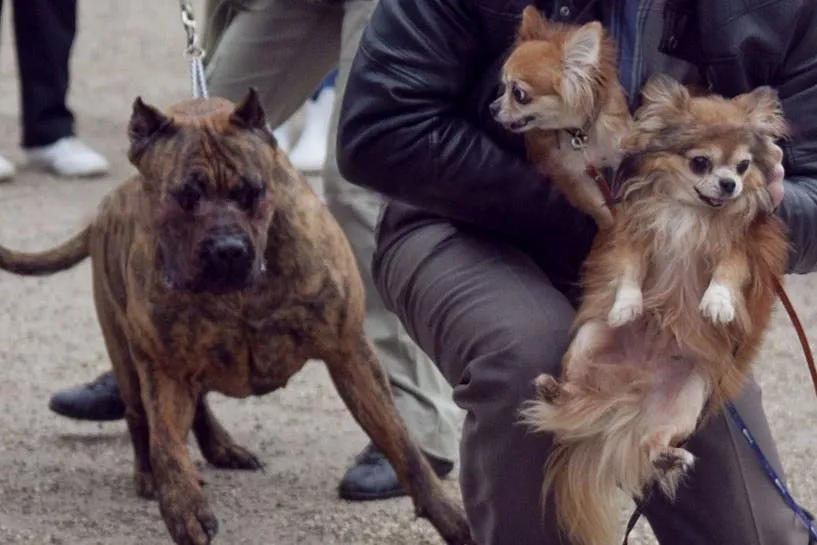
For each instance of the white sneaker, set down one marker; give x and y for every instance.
(68, 157)
(7, 169)
(309, 153)
(283, 136)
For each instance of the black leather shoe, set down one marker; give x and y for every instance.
(373, 478)
(98, 400)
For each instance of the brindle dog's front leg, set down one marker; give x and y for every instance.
(216, 444)
(362, 384)
(170, 406)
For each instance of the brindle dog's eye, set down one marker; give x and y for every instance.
(188, 197)
(743, 166)
(700, 164)
(520, 95)
(247, 195)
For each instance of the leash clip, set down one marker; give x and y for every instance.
(193, 48)
(578, 139)
(193, 51)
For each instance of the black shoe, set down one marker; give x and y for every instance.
(98, 400)
(373, 478)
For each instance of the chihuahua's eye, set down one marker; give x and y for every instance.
(700, 164)
(188, 196)
(743, 166)
(520, 95)
(247, 195)
(500, 89)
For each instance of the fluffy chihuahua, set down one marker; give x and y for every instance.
(560, 88)
(676, 298)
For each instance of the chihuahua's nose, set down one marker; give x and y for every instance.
(727, 185)
(494, 108)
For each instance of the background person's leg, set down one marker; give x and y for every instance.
(728, 499)
(421, 393)
(45, 31)
(492, 320)
(284, 48)
(309, 153)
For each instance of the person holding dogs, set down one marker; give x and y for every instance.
(480, 256)
(284, 48)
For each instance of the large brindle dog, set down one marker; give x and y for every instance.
(217, 269)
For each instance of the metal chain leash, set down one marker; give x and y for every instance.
(193, 51)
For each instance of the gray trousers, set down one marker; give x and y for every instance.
(493, 318)
(285, 48)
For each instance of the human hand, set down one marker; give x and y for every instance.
(775, 182)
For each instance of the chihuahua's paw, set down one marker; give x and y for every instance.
(717, 304)
(628, 306)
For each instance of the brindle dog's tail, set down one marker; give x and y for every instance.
(63, 257)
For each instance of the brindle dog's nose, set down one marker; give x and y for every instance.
(228, 254)
(494, 108)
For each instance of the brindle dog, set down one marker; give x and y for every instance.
(217, 269)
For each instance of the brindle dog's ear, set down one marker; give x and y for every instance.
(250, 114)
(145, 123)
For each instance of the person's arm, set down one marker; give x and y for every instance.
(403, 130)
(797, 87)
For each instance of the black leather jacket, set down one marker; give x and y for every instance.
(415, 124)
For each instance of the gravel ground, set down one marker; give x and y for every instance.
(70, 483)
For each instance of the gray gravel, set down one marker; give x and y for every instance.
(69, 483)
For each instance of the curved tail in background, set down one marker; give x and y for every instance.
(60, 258)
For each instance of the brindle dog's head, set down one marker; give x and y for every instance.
(208, 167)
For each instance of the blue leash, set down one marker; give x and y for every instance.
(770, 472)
(767, 467)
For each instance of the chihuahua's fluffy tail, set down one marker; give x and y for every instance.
(597, 452)
(57, 259)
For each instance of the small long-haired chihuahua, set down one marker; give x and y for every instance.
(560, 88)
(676, 298)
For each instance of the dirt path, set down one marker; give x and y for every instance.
(70, 483)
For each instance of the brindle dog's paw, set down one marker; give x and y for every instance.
(233, 456)
(189, 518)
(550, 390)
(145, 485)
(449, 520)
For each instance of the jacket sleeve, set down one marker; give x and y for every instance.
(404, 128)
(797, 87)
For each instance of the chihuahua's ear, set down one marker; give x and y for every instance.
(146, 122)
(532, 24)
(582, 52)
(764, 110)
(663, 100)
(249, 114)
(663, 91)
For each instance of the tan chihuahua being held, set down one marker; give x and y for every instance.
(561, 89)
(677, 297)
